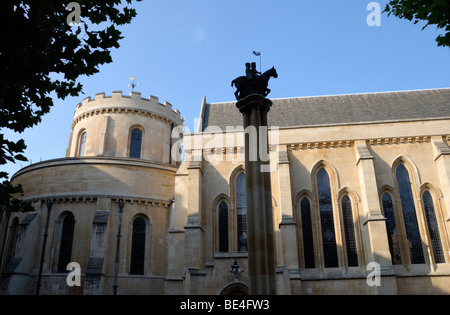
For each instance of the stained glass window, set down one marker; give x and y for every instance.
(241, 207)
(391, 229)
(349, 230)
(326, 220)
(65, 249)
(409, 215)
(138, 246)
(308, 242)
(433, 228)
(135, 144)
(223, 227)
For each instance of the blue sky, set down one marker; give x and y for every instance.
(182, 50)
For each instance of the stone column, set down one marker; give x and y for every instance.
(377, 250)
(288, 226)
(193, 230)
(260, 232)
(442, 160)
(99, 236)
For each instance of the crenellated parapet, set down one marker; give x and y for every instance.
(131, 104)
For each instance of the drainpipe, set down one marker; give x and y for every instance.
(49, 209)
(116, 271)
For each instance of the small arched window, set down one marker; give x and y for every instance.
(136, 143)
(138, 246)
(307, 233)
(65, 249)
(326, 220)
(433, 228)
(223, 227)
(82, 144)
(349, 231)
(392, 233)
(409, 214)
(241, 210)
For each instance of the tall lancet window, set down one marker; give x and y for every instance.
(409, 214)
(65, 249)
(433, 228)
(138, 246)
(326, 220)
(223, 227)
(307, 233)
(136, 143)
(241, 209)
(349, 229)
(392, 233)
(82, 144)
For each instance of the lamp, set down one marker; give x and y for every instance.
(236, 269)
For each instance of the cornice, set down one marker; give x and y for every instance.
(315, 145)
(82, 198)
(122, 110)
(95, 160)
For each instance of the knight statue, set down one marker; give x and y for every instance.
(253, 82)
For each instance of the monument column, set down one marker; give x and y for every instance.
(260, 239)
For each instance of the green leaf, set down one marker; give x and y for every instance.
(20, 157)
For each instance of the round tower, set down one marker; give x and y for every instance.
(105, 206)
(124, 126)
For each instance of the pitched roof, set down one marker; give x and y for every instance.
(340, 109)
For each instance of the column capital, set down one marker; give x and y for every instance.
(252, 101)
(283, 156)
(440, 148)
(362, 152)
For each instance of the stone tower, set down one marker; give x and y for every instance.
(109, 123)
(117, 179)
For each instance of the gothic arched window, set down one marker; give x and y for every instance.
(82, 144)
(409, 214)
(223, 227)
(138, 246)
(392, 233)
(349, 231)
(307, 233)
(241, 210)
(65, 247)
(326, 220)
(136, 143)
(433, 228)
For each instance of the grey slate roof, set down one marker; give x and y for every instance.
(340, 109)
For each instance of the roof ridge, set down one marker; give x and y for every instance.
(363, 93)
(348, 94)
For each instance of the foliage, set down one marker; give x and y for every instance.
(41, 54)
(434, 12)
(9, 193)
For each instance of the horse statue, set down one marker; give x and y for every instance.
(256, 84)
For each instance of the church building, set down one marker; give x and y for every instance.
(360, 189)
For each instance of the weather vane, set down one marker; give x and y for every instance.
(133, 83)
